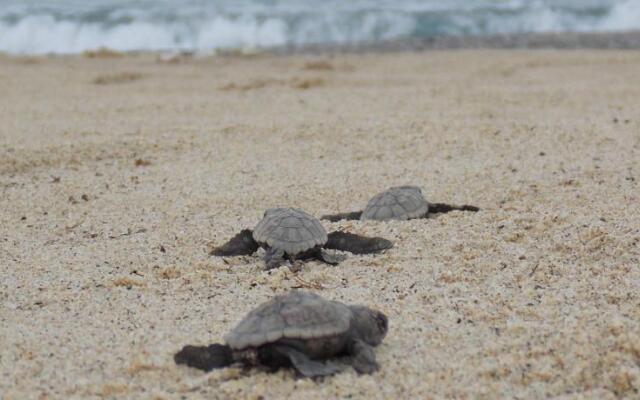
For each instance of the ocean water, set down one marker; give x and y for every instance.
(72, 26)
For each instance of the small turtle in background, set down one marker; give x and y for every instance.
(292, 234)
(399, 203)
(299, 329)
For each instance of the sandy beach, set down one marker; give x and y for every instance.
(118, 174)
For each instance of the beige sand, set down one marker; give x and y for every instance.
(117, 175)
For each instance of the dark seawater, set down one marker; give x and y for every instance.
(72, 26)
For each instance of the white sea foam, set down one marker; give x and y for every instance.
(72, 26)
(623, 16)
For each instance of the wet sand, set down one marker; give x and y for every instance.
(119, 173)
(623, 40)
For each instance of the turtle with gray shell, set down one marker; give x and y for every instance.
(292, 234)
(316, 336)
(399, 203)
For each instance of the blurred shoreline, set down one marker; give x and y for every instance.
(71, 27)
(629, 40)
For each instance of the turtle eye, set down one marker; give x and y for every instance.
(383, 323)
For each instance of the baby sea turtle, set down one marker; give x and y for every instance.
(398, 203)
(292, 234)
(299, 329)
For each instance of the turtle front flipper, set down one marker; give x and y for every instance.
(241, 244)
(274, 258)
(442, 208)
(355, 215)
(205, 358)
(363, 358)
(331, 257)
(356, 244)
(306, 366)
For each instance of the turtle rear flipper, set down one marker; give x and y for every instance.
(205, 358)
(356, 244)
(445, 208)
(355, 215)
(306, 366)
(241, 244)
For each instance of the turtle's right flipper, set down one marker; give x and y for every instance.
(205, 358)
(339, 217)
(363, 358)
(306, 366)
(445, 208)
(356, 244)
(241, 244)
(331, 257)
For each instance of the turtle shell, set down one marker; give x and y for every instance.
(295, 315)
(399, 203)
(289, 229)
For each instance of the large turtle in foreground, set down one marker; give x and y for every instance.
(398, 203)
(292, 234)
(298, 329)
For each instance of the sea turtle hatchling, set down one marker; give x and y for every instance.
(292, 234)
(398, 203)
(299, 329)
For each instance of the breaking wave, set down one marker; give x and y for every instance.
(72, 26)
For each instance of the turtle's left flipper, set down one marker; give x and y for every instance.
(274, 258)
(342, 216)
(445, 208)
(306, 366)
(241, 244)
(205, 358)
(356, 244)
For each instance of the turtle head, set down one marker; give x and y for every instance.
(370, 325)
(270, 211)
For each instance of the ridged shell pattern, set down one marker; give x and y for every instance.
(396, 203)
(290, 229)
